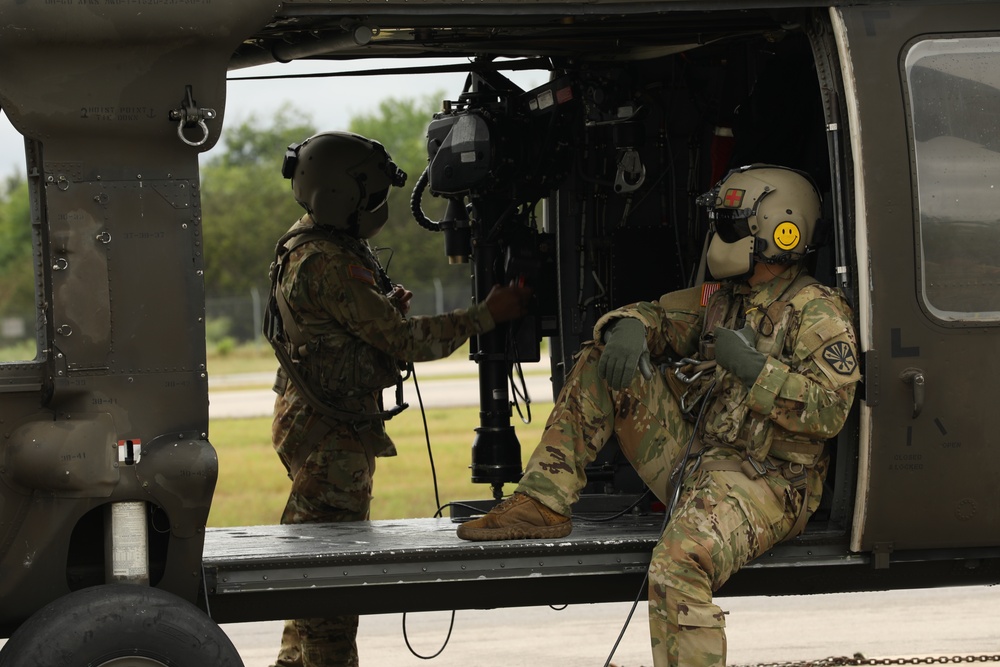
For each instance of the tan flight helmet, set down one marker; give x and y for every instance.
(343, 181)
(760, 213)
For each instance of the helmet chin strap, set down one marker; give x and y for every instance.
(353, 225)
(764, 273)
(770, 269)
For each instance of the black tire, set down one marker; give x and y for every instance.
(119, 625)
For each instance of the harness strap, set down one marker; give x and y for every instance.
(280, 326)
(812, 448)
(728, 465)
(296, 336)
(795, 473)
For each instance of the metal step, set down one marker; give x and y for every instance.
(373, 567)
(272, 572)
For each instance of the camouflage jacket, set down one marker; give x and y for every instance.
(805, 391)
(336, 291)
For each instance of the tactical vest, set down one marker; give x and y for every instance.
(742, 429)
(345, 386)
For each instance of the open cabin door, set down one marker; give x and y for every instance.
(924, 109)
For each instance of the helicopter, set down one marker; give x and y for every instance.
(585, 188)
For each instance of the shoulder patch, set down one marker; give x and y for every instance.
(361, 273)
(707, 290)
(841, 357)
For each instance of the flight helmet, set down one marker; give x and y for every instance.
(760, 213)
(343, 181)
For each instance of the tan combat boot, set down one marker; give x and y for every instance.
(519, 517)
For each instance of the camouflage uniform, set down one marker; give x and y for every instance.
(723, 518)
(357, 336)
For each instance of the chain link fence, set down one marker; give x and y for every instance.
(229, 321)
(239, 319)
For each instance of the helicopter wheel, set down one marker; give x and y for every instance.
(119, 625)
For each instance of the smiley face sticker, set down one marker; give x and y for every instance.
(786, 235)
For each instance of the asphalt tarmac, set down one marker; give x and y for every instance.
(939, 623)
(942, 622)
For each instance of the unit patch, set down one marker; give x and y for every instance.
(361, 273)
(733, 198)
(841, 358)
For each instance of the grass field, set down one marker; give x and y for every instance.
(253, 487)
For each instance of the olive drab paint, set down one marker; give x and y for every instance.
(111, 99)
(585, 188)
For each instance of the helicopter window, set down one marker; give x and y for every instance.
(17, 295)
(954, 95)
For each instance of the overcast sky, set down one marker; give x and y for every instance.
(330, 102)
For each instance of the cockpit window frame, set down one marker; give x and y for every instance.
(952, 227)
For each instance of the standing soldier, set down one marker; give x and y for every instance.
(341, 335)
(745, 439)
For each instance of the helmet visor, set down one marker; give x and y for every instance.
(731, 224)
(376, 200)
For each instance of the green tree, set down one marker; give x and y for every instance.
(17, 275)
(246, 203)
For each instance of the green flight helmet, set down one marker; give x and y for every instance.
(343, 181)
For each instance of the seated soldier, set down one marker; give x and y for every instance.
(743, 446)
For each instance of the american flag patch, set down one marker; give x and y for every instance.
(361, 273)
(707, 290)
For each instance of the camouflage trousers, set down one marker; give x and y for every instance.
(722, 519)
(334, 483)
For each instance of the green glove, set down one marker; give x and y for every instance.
(624, 351)
(736, 352)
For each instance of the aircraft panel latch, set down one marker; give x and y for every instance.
(915, 378)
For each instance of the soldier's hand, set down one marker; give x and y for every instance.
(625, 350)
(736, 352)
(400, 297)
(508, 303)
